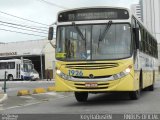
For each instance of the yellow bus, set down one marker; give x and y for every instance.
(103, 49)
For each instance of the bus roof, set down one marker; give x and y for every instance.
(92, 7)
(14, 60)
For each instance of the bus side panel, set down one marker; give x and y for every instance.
(148, 67)
(136, 79)
(2, 74)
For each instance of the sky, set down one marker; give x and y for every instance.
(43, 12)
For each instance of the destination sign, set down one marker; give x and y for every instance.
(93, 14)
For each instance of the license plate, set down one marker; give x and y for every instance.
(91, 85)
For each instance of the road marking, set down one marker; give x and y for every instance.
(51, 93)
(18, 106)
(29, 104)
(47, 93)
(27, 97)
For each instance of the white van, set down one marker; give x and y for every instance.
(16, 69)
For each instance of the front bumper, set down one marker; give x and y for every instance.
(26, 77)
(123, 84)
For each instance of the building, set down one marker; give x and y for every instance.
(151, 16)
(39, 51)
(136, 10)
(150, 10)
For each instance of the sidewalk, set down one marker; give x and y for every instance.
(3, 97)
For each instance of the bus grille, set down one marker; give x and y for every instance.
(91, 66)
(95, 77)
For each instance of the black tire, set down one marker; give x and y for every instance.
(151, 88)
(10, 77)
(81, 96)
(135, 95)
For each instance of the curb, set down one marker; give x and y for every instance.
(35, 91)
(5, 97)
(39, 90)
(51, 89)
(23, 92)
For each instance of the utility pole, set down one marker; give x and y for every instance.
(5, 79)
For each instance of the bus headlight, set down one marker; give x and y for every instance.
(58, 72)
(122, 74)
(62, 75)
(128, 70)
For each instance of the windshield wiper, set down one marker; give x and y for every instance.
(79, 31)
(108, 25)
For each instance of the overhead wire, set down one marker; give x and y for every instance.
(26, 26)
(53, 4)
(23, 18)
(23, 29)
(22, 32)
(38, 29)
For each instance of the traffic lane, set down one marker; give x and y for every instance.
(20, 101)
(117, 103)
(14, 86)
(99, 103)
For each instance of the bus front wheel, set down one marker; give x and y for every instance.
(151, 88)
(134, 95)
(81, 96)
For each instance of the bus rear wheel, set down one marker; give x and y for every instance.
(81, 96)
(151, 88)
(10, 78)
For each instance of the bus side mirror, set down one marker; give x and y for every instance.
(136, 33)
(50, 33)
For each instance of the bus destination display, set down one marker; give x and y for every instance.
(93, 14)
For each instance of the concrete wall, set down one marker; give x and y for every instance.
(31, 48)
(136, 10)
(151, 18)
(49, 52)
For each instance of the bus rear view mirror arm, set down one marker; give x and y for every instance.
(53, 45)
(50, 33)
(136, 33)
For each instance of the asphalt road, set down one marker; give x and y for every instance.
(52, 103)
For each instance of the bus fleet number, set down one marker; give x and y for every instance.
(75, 73)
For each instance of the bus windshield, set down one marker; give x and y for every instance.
(28, 67)
(92, 42)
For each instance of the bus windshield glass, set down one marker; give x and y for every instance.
(93, 42)
(28, 67)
